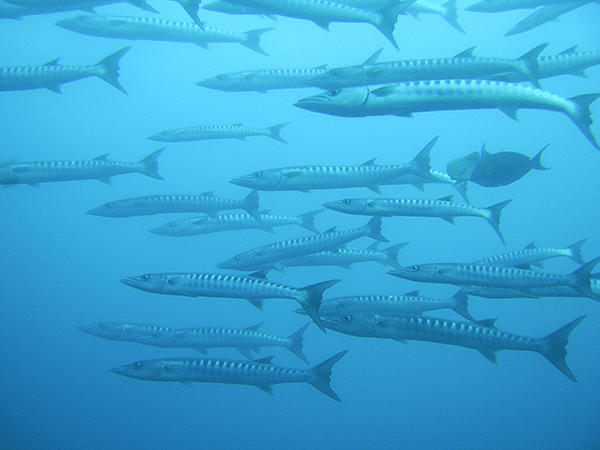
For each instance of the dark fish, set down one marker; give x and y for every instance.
(460, 168)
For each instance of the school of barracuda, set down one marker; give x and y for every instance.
(400, 88)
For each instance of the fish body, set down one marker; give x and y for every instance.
(403, 99)
(254, 288)
(223, 6)
(158, 29)
(52, 75)
(550, 291)
(482, 336)
(118, 331)
(205, 132)
(462, 66)
(444, 208)
(489, 6)
(543, 15)
(498, 276)
(242, 339)
(434, 177)
(570, 61)
(322, 12)
(229, 222)
(100, 168)
(305, 178)
(533, 256)
(164, 204)
(269, 255)
(261, 374)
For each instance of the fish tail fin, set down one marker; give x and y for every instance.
(373, 229)
(422, 161)
(557, 341)
(311, 301)
(295, 343)
(388, 16)
(252, 40)
(307, 220)
(322, 373)
(391, 255)
(575, 251)
(582, 117)
(251, 205)
(583, 279)
(191, 7)
(110, 64)
(461, 187)
(494, 217)
(461, 306)
(536, 161)
(274, 132)
(451, 16)
(142, 4)
(150, 165)
(530, 64)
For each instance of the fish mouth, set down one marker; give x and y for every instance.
(119, 370)
(130, 281)
(309, 102)
(241, 181)
(332, 205)
(156, 137)
(396, 273)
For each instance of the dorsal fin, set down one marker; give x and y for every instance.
(488, 323)
(530, 245)
(468, 53)
(265, 360)
(331, 230)
(373, 58)
(254, 327)
(208, 194)
(373, 246)
(413, 293)
(321, 67)
(484, 152)
(370, 162)
(447, 198)
(569, 50)
(259, 274)
(237, 125)
(54, 62)
(101, 157)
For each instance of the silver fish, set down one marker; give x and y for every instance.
(119, 331)
(488, 6)
(544, 15)
(204, 132)
(100, 168)
(533, 256)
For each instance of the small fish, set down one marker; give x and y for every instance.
(544, 15)
(100, 168)
(118, 331)
(204, 132)
(261, 373)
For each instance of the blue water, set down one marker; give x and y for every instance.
(61, 268)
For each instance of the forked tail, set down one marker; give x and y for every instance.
(274, 132)
(322, 373)
(251, 205)
(373, 229)
(295, 343)
(311, 300)
(110, 64)
(494, 217)
(557, 351)
(307, 220)
(388, 16)
(191, 7)
(582, 277)
(583, 115)
(150, 165)
(252, 40)
(451, 16)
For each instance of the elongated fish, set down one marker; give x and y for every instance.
(403, 99)
(163, 204)
(204, 132)
(482, 335)
(305, 178)
(567, 62)
(157, 29)
(498, 276)
(254, 288)
(242, 339)
(100, 168)
(269, 255)
(223, 6)
(323, 12)
(229, 222)
(462, 66)
(489, 6)
(119, 331)
(533, 256)
(409, 303)
(261, 373)
(543, 15)
(549, 291)
(443, 208)
(52, 75)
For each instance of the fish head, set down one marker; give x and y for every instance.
(461, 168)
(348, 205)
(119, 208)
(339, 77)
(179, 227)
(154, 282)
(106, 330)
(160, 338)
(346, 102)
(262, 179)
(224, 82)
(421, 272)
(83, 23)
(164, 136)
(350, 323)
(7, 176)
(241, 261)
(141, 370)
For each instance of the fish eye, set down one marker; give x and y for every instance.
(157, 334)
(257, 174)
(334, 72)
(222, 77)
(414, 268)
(346, 201)
(333, 92)
(236, 257)
(102, 325)
(144, 277)
(347, 318)
(137, 365)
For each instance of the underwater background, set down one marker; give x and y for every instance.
(61, 267)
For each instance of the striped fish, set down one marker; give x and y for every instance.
(261, 373)
(205, 132)
(118, 331)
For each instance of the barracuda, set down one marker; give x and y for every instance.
(305, 178)
(569, 61)
(409, 303)
(237, 131)
(482, 336)
(462, 66)
(543, 15)
(533, 256)
(443, 208)
(229, 222)
(510, 5)
(261, 373)
(322, 12)
(118, 331)
(550, 291)
(223, 6)
(496, 276)
(403, 99)
(52, 75)
(254, 288)
(242, 339)
(100, 168)
(162, 204)
(270, 255)
(157, 29)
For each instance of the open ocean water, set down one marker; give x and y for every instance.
(60, 268)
